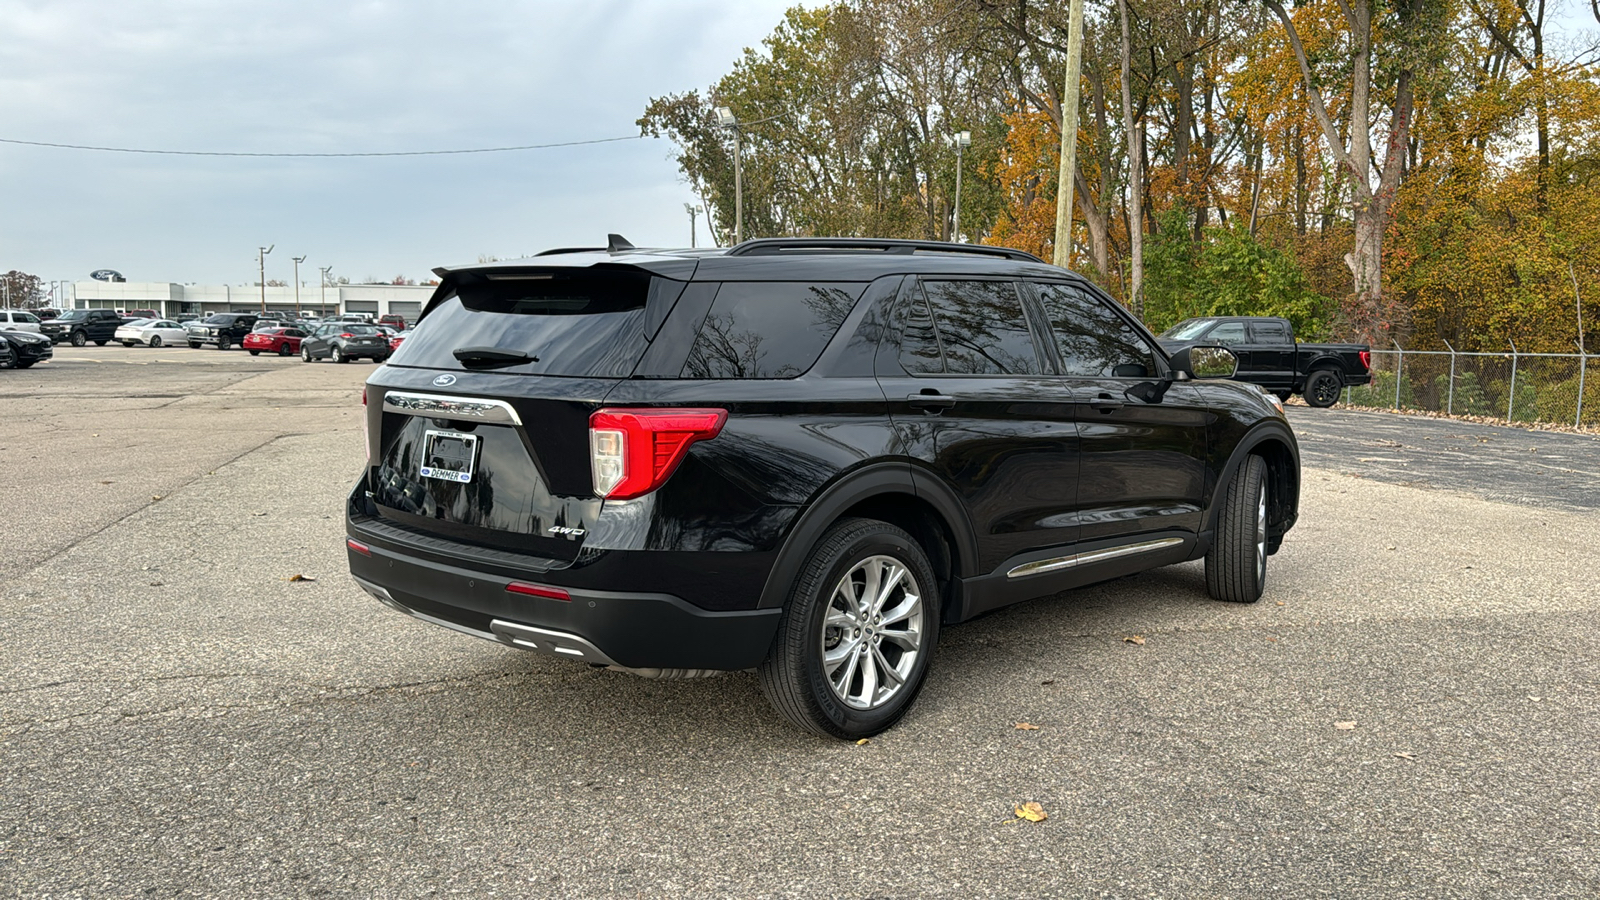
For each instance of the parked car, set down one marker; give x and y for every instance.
(395, 340)
(799, 456)
(24, 348)
(1270, 356)
(184, 318)
(344, 341)
(153, 332)
(359, 318)
(19, 320)
(45, 313)
(223, 329)
(138, 314)
(80, 326)
(282, 341)
(394, 319)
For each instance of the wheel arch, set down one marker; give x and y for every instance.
(1275, 444)
(889, 492)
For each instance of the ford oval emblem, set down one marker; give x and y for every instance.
(445, 380)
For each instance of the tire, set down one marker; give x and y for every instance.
(1322, 388)
(283, 349)
(79, 339)
(305, 353)
(255, 352)
(194, 345)
(129, 343)
(155, 341)
(1283, 395)
(100, 343)
(337, 355)
(25, 363)
(795, 675)
(224, 344)
(1236, 564)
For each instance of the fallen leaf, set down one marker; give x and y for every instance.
(1032, 811)
(1535, 699)
(1345, 726)
(155, 496)
(157, 583)
(1134, 639)
(258, 514)
(863, 741)
(1405, 756)
(1051, 681)
(105, 482)
(1024, 726)
(300, 578)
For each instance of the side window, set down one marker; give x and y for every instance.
(768, 329)
(982, 328)
(919, 343)
(1269, 332)
(1094, 340)
(1227, 333)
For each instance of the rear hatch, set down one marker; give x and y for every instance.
(479, 424)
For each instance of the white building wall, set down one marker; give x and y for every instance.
(171, 299)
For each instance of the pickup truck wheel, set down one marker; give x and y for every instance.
(1322, 388)
(1236, 564)
(155, 340)
(854, 644)
(194, 345)
(79, 339)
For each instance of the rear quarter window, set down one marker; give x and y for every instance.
(766, 329)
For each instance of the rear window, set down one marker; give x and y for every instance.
(768, 329)
(581, 323)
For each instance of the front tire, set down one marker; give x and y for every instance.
(194, 345)
(305, 353)
(854, 644)
(1236, 564)
(1322, 388)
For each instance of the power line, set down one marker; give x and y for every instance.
(631, 137)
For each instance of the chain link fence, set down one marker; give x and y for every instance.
(1562, 388)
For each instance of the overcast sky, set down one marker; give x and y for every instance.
(327, 76)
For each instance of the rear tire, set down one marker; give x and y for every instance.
(194, 345)
(223, 344)
(283, 349)
(1236, 564)
(99, 343)
(79, 339)
(854, 644)
(337, 355)
(305, 353)
(129, 344)
(155, 341)
(1322, 388)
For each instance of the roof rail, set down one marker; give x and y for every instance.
(774, 246)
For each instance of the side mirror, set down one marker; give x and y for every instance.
(1206, 361)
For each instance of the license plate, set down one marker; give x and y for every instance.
(448, 455)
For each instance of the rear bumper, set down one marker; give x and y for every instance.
(636, 630)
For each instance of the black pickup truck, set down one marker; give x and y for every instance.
(80, 326)
(1271, 357)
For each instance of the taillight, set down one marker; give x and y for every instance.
(358, 547)
(634, 451)
(347, 335)
(537, 590)
(1366, 359)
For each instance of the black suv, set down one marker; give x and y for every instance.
(226, 330)
(80, 326)
(798, 456)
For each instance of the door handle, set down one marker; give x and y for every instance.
(931, 401)
(1105, 403)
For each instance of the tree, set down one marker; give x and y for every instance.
(19, 290)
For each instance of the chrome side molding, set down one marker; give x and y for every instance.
(1093, 556)
(445, 407)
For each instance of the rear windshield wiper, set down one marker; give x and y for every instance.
(491, 357)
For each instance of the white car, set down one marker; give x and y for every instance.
(18, 320)
(154, 332)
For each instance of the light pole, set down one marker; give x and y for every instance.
(322, 307)
(726, 119)
(692, 210)
(962, 140)
(300, 259)
(261, 264)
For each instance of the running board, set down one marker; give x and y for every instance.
(1093, 556)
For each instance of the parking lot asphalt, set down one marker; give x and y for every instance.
(1412, 709)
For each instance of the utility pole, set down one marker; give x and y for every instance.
(297, 261)
(726, 119)
(692, 210)
(322, 307)
(1069, 135)
(962, 140)
(261, 264)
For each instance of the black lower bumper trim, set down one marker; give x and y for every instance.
(637, 631)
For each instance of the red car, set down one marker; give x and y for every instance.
(396, 339)
(282, 341)
(393, 319)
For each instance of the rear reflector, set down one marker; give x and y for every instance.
(537, 590)
(358, 547)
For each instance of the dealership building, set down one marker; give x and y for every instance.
(172, 300)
